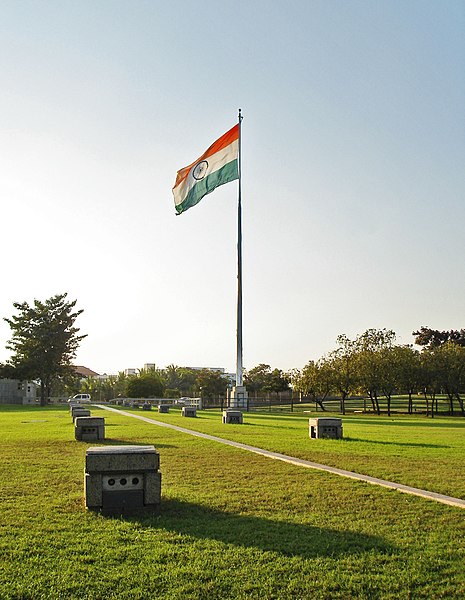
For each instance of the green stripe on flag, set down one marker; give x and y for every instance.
(227, 173)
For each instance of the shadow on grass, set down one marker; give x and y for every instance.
(276, 416)
(406, 444)
(291, 539)
(438, 421)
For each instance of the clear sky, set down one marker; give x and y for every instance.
(353, 172)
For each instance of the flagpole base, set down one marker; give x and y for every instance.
(238, 398)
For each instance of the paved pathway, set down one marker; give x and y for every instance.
(301, 462)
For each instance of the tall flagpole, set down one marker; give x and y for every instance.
(239, 269)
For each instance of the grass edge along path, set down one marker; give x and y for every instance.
(451, 501)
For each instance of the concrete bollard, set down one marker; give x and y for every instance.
(122, 479)
(163, 408)
(325, 427)
(189, 411)
(78, 411)
(89, 429)
(232, 416)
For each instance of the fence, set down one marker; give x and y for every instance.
(358, 404)
(288, 403)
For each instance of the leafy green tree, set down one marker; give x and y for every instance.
(315, 380)
(108, 388)
(99, 388)
(148, 384)
(68, 385)
(304, 381)
(263, 380)
(433, 338)
(430, 373)
(44, 341)
(180, 381)
(279, 381)
(369, 376)
(211, 384)
(374, 365)
(449, 360)
(9, 372)
(257, 380)
(409, 373)
(343, 367)
(389, 368)
(118, 384)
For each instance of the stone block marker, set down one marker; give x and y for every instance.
(146, 406)
(232, 416)
(89, 429)
(189, 411)
(122, 479)
(325, 427)
(163, 408)
(77, 411)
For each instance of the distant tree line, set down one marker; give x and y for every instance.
(373, 365)
(45, 340)
(171, 382)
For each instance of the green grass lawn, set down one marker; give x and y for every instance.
(413, 450)
(233, 524)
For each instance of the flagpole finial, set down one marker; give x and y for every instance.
(240, 115)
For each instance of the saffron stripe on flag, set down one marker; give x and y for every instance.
(225, 174)
(212, 163)
(216, 166)
(225, 140)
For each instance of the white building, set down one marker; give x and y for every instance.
(13, 391)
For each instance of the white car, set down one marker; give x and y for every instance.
(80, 398)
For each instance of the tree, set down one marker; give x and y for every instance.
(148, 384)
(367, 364)
(409, 372)
(9, 372)
(44, 340)
(262, 380)
(443, 363)
(390, 359)
(375, 364)
(211, 384)
(316, 380)
(257, 379)
(430, 378)
(449, 359)
(179, 380)
(433, 338)
(343, 365)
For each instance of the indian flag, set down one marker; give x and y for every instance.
(216, 166)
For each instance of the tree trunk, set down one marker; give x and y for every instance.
(433, 398)
(460, 401)
(43, 399)
(343, 402)
(425, 394)
(370, 393)
(319, 402)
(451, 402)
